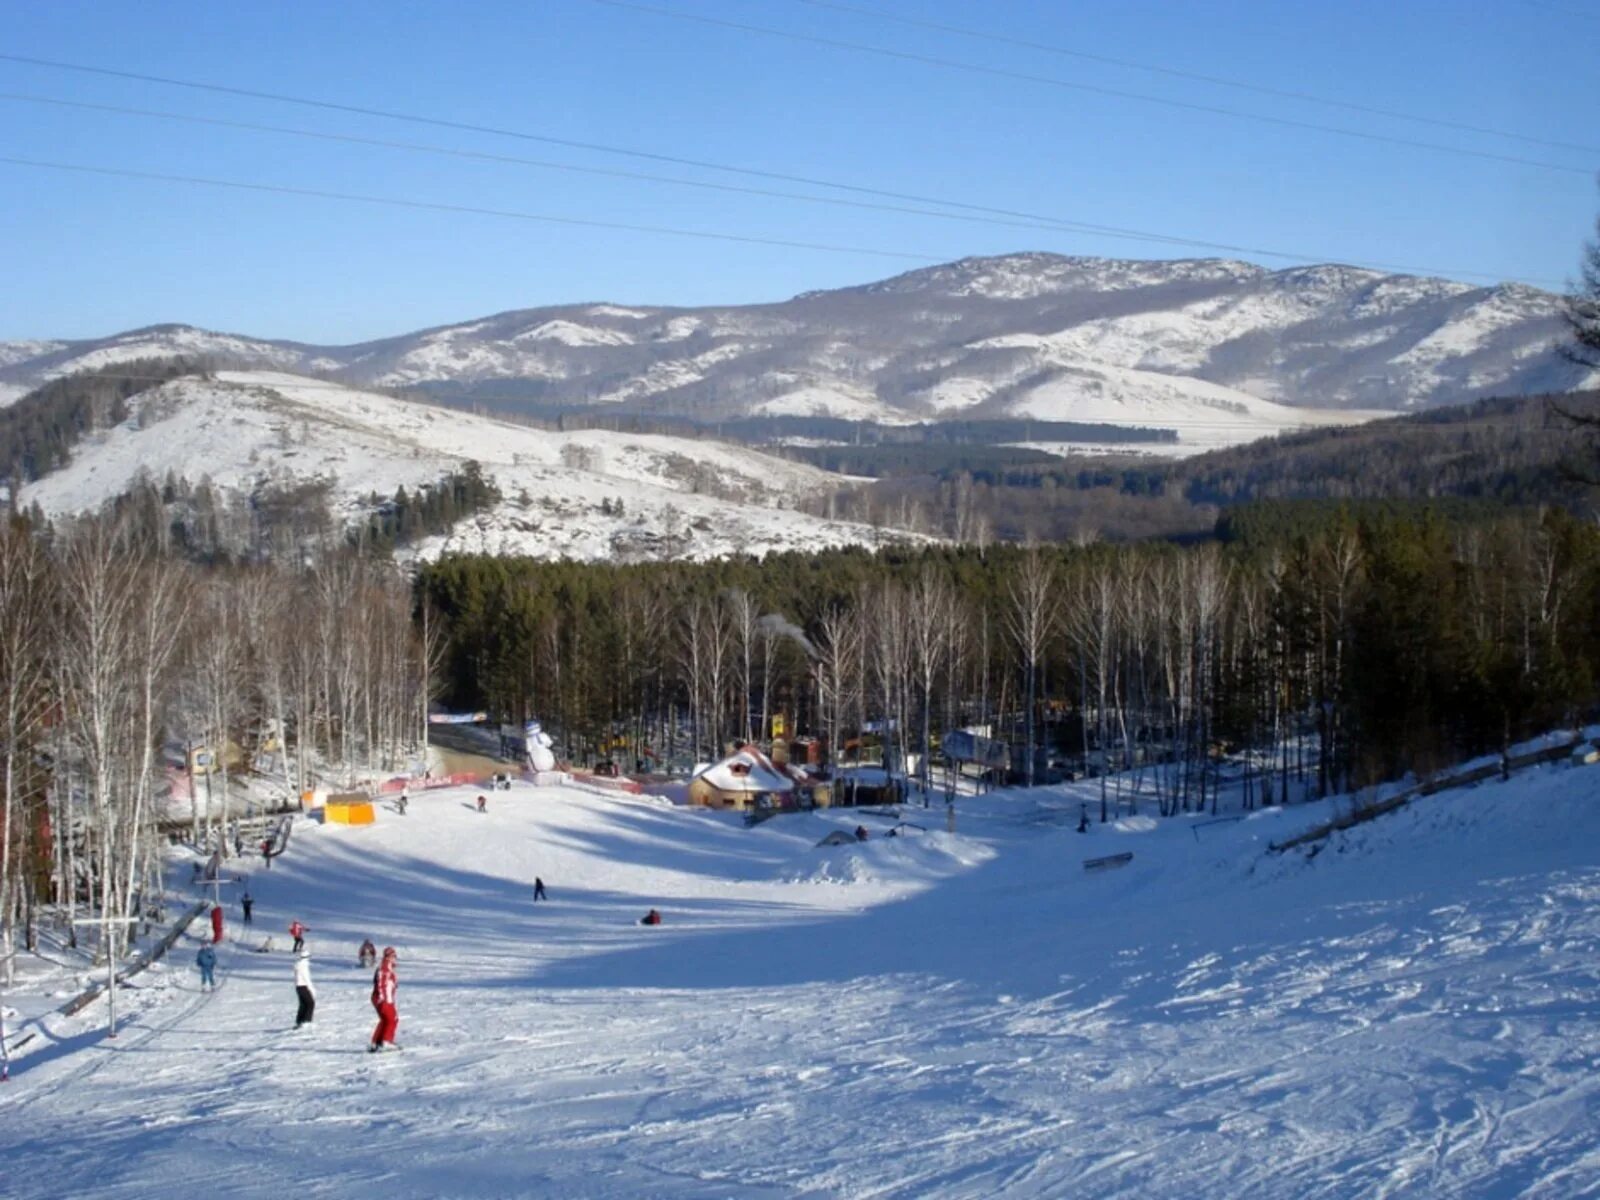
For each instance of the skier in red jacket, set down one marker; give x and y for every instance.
(216, 922)
(298, 932)
(383, 990)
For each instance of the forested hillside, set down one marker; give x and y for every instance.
(1517, 451)
(1400, 639)
(39, 431)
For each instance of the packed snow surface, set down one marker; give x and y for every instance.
(1410, 1011)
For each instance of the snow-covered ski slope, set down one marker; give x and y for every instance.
(1410, 1012)
(587, 494)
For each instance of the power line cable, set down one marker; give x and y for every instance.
(1014, 218)
(468, 209)
(1093, 89)
(1024, 221)
(676, 160)
(605, 172)
(1196, 76)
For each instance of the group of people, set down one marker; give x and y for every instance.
(385, 984)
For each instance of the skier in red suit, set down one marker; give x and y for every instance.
(383, 989)
(216, 922)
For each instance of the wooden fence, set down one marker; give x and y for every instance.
(1435, 783)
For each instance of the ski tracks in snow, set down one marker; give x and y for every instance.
(1360, 1024)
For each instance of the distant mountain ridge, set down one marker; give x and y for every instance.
(1195, 343)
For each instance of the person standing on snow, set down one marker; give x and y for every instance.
(303, 989)
(298, 932)
(483, 804)
(538, 889)
(402, 802)
(367, 956)
(245, 902)
(216, 922)
(206, 960)
(384, 985)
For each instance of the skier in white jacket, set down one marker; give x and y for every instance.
(303, 988)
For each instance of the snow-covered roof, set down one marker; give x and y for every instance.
(746, 770)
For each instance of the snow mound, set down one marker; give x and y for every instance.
(1134, 824)
(909, 855)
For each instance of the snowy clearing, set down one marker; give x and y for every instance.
(1408, 1012)
(586, 494)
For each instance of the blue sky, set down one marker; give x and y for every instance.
(87, 255)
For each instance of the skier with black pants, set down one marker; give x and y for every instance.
(303, 989)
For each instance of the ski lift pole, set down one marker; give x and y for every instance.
(215, 883)
(216, 886)
(108, 924)
(5, 1050)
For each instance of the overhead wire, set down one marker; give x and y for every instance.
(467, 209)
(1088, 88)
(1014, 218)
(1195, 76)
(1062, 225)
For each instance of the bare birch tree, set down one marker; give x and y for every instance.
(1032, 613)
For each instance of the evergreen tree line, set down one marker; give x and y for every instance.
(38, 432)
(434, 508)
(1522, 451)
(118, 657)
(1368, 645)
(287, 520)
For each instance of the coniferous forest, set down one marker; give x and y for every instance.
(1320, 649)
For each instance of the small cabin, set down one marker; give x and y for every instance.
(746, 779)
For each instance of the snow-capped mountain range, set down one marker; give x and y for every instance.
(1203, 344)
(581, 495)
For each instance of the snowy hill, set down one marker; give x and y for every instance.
(1017, 335)
(584, 495)
(1409, 1013)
